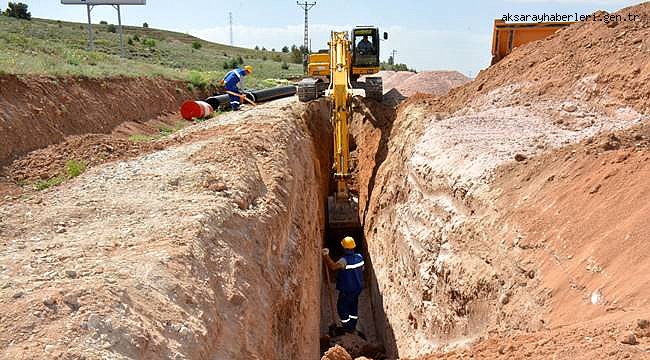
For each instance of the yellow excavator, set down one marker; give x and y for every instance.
(335, 73)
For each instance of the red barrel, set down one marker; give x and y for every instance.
(195, 110)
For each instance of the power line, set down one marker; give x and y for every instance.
(230, 22)
(306, 6)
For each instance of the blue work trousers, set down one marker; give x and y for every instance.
(348, 309)
(234, 100)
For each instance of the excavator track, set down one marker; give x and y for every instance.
(311, 89)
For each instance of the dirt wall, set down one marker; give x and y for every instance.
(37, 111)
(440, 231)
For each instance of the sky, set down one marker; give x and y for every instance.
(426, 35)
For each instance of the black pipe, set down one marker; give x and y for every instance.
(273, 93)
(257, 95)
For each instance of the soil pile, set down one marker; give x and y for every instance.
(603, 65)
(427, 82)
(37, 111)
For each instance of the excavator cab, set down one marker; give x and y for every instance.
(365, 47)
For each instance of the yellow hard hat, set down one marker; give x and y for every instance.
(348, 243)
(248, 68)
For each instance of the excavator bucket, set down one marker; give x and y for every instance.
(343, 213)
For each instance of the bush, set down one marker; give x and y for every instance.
(197, 80)
(17, 10)
(240, 61)
(230, 64)
(111, 28)
(285, 49)
(130, 41)
(103, 22)
(285, 66)
(145, 25)
(149, 43)
(276, 57)
(196, 45)
(74, 168)
(136, 38)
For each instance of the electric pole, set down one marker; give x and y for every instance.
(230, 22)
(306, 6)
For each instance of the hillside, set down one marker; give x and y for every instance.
(50, 47)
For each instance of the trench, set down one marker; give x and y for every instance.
(370, 132)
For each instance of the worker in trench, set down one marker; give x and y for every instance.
(233, 82)
(349, 282)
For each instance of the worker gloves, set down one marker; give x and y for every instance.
(325, 251)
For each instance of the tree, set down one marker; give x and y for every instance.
(17, 10)
(296, 54)
(263, 48)
(103, 22)
(285, 49)
(391, 61)
(257, 47)
(145, 25)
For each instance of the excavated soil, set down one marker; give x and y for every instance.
(408, 83)
(37, 111)
(206, 249)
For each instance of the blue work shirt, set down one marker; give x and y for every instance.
(350, 278)
(232, 78)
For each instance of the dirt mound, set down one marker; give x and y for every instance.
(427, 82)
(606, 65)
(90, 149)
(576, 219)
(336, 353)
(36, 111)
(200, 250)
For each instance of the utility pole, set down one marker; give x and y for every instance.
(394, 54)
(306, 6)
(230, 22)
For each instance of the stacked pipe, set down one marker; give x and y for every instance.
(196, 109)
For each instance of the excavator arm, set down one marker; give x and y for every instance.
(340, 94)
(342, 207)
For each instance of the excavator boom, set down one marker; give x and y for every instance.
(342, 207)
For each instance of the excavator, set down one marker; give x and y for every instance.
(334, 73)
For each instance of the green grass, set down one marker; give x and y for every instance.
(73, 168)
(141, 138)
(162, 132)
(58, 48)
(45, 184)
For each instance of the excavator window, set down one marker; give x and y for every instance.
(365, 47)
